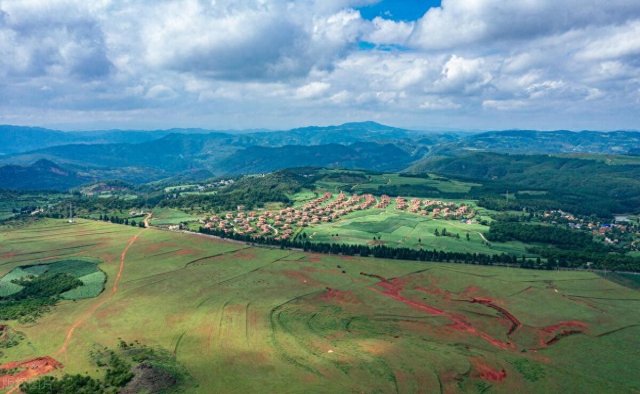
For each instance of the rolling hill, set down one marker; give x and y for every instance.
(378, 157)
(42, 175)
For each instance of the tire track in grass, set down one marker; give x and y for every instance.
(43, 259)
(211, 330)
(175, 348)
(83, 318)
(275, 322)
(604, 334)
(50, 250)
(246, 328)
(187, 265)
(58, 236)
(235, 277)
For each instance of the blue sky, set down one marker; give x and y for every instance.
(405, 10)
(236, 64)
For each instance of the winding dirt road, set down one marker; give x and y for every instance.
(89, 312)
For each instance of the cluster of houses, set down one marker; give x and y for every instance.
(609, 232)
(436, 208)
(281, 224)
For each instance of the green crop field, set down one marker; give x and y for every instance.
(246, 319)
(402, 229)
(87, 272)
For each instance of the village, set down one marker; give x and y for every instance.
(283, 224)
(623, 230)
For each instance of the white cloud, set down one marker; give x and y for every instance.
(312, 90)
(385, 31)
(464, 22)
(543, 63)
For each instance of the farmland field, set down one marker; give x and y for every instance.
(246, 319)
(401, 229)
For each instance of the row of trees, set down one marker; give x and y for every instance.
(117, 220)
(386, 252)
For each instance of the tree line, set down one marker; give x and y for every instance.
(386, 252)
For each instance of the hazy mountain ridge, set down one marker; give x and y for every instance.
(143, 156)
(560, 141)
(378, 157)
(41, 175)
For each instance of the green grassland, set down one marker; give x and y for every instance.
(401, 229)
(245, 319)
(170, 216)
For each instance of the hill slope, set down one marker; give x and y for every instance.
(379, 157)
(42, 175)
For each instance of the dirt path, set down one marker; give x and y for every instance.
(147, 219)
(83, 318)
(483, 238)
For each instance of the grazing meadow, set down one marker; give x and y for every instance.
(241, 318)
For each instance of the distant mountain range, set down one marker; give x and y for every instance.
(545, 142)
(41, 175)
(143, 156)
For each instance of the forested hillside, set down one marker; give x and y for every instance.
(577, 185)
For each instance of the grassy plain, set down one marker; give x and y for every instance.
(245, 319)
(169, 216)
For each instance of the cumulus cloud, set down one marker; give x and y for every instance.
(545, 63)
(57, 38)
(463, 22)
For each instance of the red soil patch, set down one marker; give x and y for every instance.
(570, 323)
(561, 330)
(184, 252)
(435, 291)
(26, 370)
(340, 296)
(487, 372)
(314, 258)
(469, 291)
(156, 247)
(515, 323)
(8, 255)
(394, 287)
(300, 277)
(244, 255)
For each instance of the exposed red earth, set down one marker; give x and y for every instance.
(487, 372)
(392, 288)
(515, 323)
(340, 296)
(561, 330)
(25, 370)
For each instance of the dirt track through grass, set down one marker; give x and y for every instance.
(101, 301)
